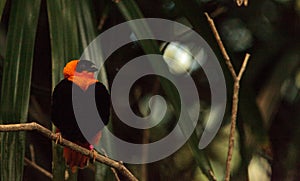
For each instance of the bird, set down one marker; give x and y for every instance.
(79, 80)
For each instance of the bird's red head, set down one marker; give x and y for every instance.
(70, 68)
(80, 72)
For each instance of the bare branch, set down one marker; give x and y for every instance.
(102, 21)
(112, 169)
(235, 97)
(244, 65)
(220, 43)
(31, 148)
(234, 110)
(37, 167)
(44, 131)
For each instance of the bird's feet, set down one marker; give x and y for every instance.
(94, 155)
(58, 137)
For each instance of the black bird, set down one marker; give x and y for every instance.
(79, 80)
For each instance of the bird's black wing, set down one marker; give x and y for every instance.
(62, 103)
(62, 113)
(102, 102)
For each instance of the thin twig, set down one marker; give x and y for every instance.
(235, 97)
(234, 110)
(213, 177)
(31, 148)
(243, 68)
(37, 167)
(44, 131)
(102, 22)
(112, 169)
(235, 100)
(220, 43)
(218, 11)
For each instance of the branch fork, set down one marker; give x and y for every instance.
(236, 87)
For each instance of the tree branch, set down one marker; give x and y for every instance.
(37, 167)
(112, 169)
(243, 68)
(235, 97)
(44, 131)
(220, 43)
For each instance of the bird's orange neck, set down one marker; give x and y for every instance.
(83, 79)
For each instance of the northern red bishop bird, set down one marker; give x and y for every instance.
(79, 80)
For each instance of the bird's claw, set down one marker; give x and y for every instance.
(58, 138)
(94, 154)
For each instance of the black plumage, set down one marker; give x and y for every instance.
(63, 115)
(80, 99)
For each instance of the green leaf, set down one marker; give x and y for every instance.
(16, 82)
(72, 28)
(58, 62)
(130, 11)
(57, 40)
(2, 5)
(63, 34)
(64, 47)
(87, 33)
(86, 25)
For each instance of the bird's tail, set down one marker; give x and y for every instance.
(75, 159)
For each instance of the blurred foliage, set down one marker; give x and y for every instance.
(15, 81)
(39, 39)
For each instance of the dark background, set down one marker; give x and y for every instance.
(268, 120)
